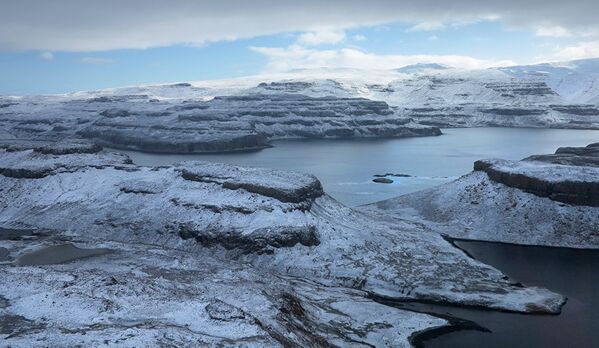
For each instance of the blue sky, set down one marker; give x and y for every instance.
(66, 63)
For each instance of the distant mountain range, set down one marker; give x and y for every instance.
(247, 112)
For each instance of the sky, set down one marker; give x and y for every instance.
(64, 46)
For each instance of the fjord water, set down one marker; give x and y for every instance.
(346, 166)
(570, 272)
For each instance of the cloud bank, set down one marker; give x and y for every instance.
(298, 57)
(96, 25)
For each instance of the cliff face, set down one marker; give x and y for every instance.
(570, 175)
(226, 123)
(542, 200)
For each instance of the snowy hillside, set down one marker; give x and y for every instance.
(575, 81)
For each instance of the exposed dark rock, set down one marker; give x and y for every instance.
(4, 256)
(111, 113)
(32, 173)
(15, 324)
(382, 180)
(287, 87)
(260, 241)
(64, 148)
(399, 175)
(523, 88)
(514, 111)
(117, 98)
(581, 110)
(217, 209)
(174, 140)
(50, 147)
(140, 187)
(36, 165)
(219, 310)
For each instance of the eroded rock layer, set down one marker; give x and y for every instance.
(571, 175)
(224, 123)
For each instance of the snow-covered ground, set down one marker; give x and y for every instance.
(218, 254)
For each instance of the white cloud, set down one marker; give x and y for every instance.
(321, 37)
(554, 31)
(96, 60)
(359, 37)
(298, 57)
(47, 56)
(96, 25)
(427, 26)
(579, 51)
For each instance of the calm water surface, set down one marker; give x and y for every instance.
(346, 167)
(570, 272)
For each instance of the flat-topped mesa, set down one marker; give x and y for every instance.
(49, 159)
(571, 175)
(174, 140)
(285, 186)
(573, 156)
(215, 204)
(246, 120)
(63, 147)
(547, 200)
(300, 116)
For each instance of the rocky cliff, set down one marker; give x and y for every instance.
(541, 200)
(226, 123)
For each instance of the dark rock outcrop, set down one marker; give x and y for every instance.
(382, 180)
(259, 241)
(571, 175)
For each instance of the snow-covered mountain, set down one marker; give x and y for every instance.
(247, 112)
(575, 81)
